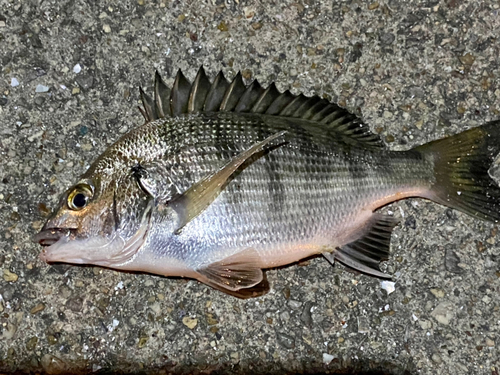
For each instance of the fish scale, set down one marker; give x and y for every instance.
(225, 179)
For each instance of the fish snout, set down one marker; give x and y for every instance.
(48, 237)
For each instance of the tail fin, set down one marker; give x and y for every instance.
(461, 165)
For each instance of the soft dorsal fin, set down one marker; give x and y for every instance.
(220, 95)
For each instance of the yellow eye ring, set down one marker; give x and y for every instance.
(79, 197)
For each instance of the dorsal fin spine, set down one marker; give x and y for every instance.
(216, 93)
(233, 94)
(269, 95)
(179, 95)
(252, 93)
(199, 91)
(149, 106)
(162, 97)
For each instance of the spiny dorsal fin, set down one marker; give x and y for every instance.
(220, 95)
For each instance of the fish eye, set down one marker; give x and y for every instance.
(79, 197)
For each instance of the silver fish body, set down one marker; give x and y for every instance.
(307, 196)
(220, 195)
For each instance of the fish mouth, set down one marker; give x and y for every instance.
(48, 237)
(51, 239)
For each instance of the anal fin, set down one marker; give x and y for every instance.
(370, 249)
(239, 271)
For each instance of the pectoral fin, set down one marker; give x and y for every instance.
(239, 271)
(199, 196)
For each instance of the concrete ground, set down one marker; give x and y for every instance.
(414, 70)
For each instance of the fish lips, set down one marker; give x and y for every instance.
(48, 238)
(61, 245)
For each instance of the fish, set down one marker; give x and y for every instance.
(227, 179)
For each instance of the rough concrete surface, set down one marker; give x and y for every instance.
(414, 70)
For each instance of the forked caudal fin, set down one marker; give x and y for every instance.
(461, 164)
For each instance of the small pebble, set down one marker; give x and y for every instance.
(9, 276)
(106, 28)
(363, 325)
(191, 323)
(467, 59)
(306, 315)
(235, 355)
(37, 308)
(256, 25)
(285, 340)
(31, 344)
(285, 316)
(14, 82)
(452, 261)
(77, 69)
(211, 320)
(53, 365)
(223, 26)
(388, 286)
(9, 331)
(327, 358)
(436, 358)
(438, 293)
(142, 342)
(51, 340)
(443, 312)
(42, 88)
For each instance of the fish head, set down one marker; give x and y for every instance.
(101, 221)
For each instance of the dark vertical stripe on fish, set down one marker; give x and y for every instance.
(275, 187)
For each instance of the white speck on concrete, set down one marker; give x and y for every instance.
(327, 358)
(14, 82)
(77, 69)
(388, 286)
(42, 88)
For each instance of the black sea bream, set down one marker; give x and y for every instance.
(226, 179)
